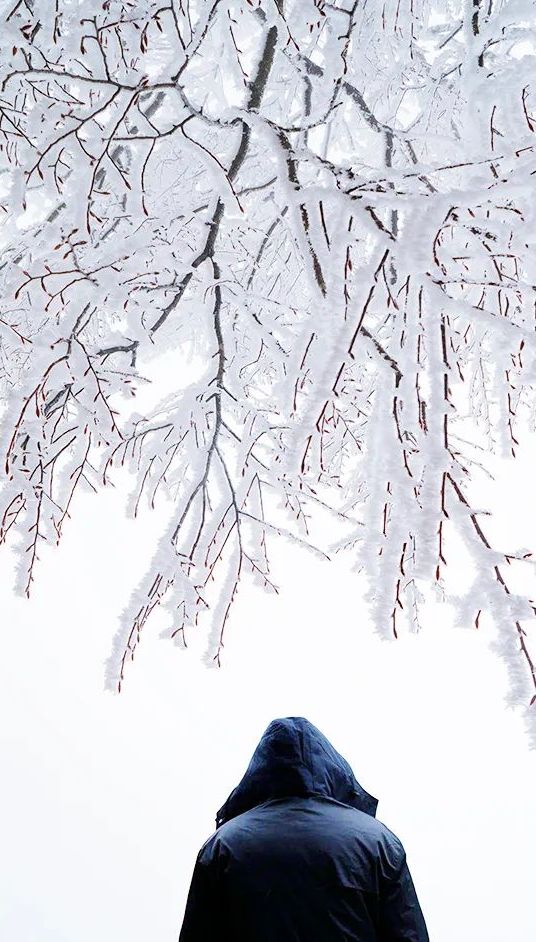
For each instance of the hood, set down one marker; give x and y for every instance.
(294, 759)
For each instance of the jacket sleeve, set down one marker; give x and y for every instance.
(401, 918)
(203, 917)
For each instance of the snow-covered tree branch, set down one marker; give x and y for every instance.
(326, 210)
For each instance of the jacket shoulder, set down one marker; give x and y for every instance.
(385, 844)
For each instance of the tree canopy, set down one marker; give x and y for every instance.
(325, 210)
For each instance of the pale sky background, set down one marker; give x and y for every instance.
(106, 799)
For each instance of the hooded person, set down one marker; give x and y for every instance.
(298, 855)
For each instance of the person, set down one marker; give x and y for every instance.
(298, 855)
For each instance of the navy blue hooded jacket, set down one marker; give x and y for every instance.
(298, 855)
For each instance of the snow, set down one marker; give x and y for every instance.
(106, 799)
(266, 284)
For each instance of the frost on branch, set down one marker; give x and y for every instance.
(328, 206)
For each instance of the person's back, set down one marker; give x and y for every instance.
(298, 855)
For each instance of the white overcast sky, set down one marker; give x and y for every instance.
(106, 799)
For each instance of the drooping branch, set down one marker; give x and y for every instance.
(326, 254)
